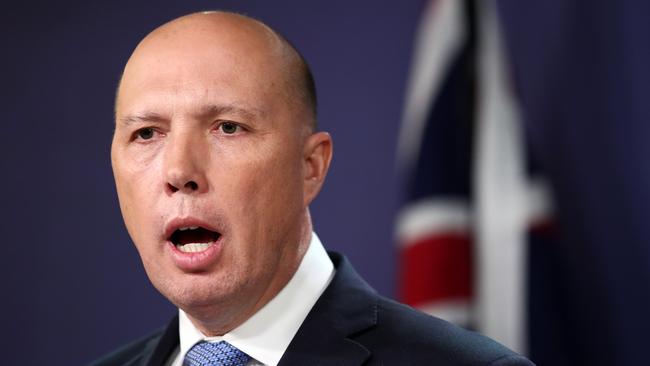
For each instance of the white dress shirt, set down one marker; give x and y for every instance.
(266, 335)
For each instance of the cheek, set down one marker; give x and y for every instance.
(136, 171)
(136, 183)
(273, 188)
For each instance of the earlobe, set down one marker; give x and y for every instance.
(317, 157)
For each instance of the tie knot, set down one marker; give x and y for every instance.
(215, 354)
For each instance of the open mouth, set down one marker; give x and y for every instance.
(193, 239)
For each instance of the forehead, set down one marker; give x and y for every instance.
(205, 62)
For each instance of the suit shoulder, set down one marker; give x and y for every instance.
(408, 334)
(129, 353)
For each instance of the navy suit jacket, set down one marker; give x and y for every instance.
(351, 324)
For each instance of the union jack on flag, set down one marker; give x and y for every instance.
(472, 190)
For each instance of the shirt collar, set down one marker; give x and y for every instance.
(267, 334)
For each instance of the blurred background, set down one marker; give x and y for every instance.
(489, 168)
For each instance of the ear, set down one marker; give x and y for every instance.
(317, 155)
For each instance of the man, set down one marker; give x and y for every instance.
(216, 159)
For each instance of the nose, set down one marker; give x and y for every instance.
(184, 165)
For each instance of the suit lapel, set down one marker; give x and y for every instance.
(347, 307)
(158, 350)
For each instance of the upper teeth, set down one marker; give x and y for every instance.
(188, 228)
(193, 247)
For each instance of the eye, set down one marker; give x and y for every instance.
(229, 127)
(145, 133)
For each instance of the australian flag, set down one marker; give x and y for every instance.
(524, 148)
(475, 199)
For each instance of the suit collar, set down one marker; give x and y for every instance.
(165, 346)
(266, 335)
(346, 308)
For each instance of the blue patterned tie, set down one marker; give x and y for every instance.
(215, 354)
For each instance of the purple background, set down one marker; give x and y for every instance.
(72, 283)
(71, 275)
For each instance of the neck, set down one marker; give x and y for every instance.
(231, 314)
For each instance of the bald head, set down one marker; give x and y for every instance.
(211, 36)
(215, 128)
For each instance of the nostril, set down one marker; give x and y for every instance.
(172, 188)
(190, 186)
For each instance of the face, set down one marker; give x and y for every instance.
(214, 168)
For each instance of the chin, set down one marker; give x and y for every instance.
(198, 291)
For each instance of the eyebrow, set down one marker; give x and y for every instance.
(221, 109)
(205, 112)
(141, 117)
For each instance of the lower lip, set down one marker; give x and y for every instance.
(195, 262)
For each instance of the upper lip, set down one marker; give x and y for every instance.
(179, 222)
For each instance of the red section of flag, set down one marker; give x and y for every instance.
(546, 225)
(436, 268)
